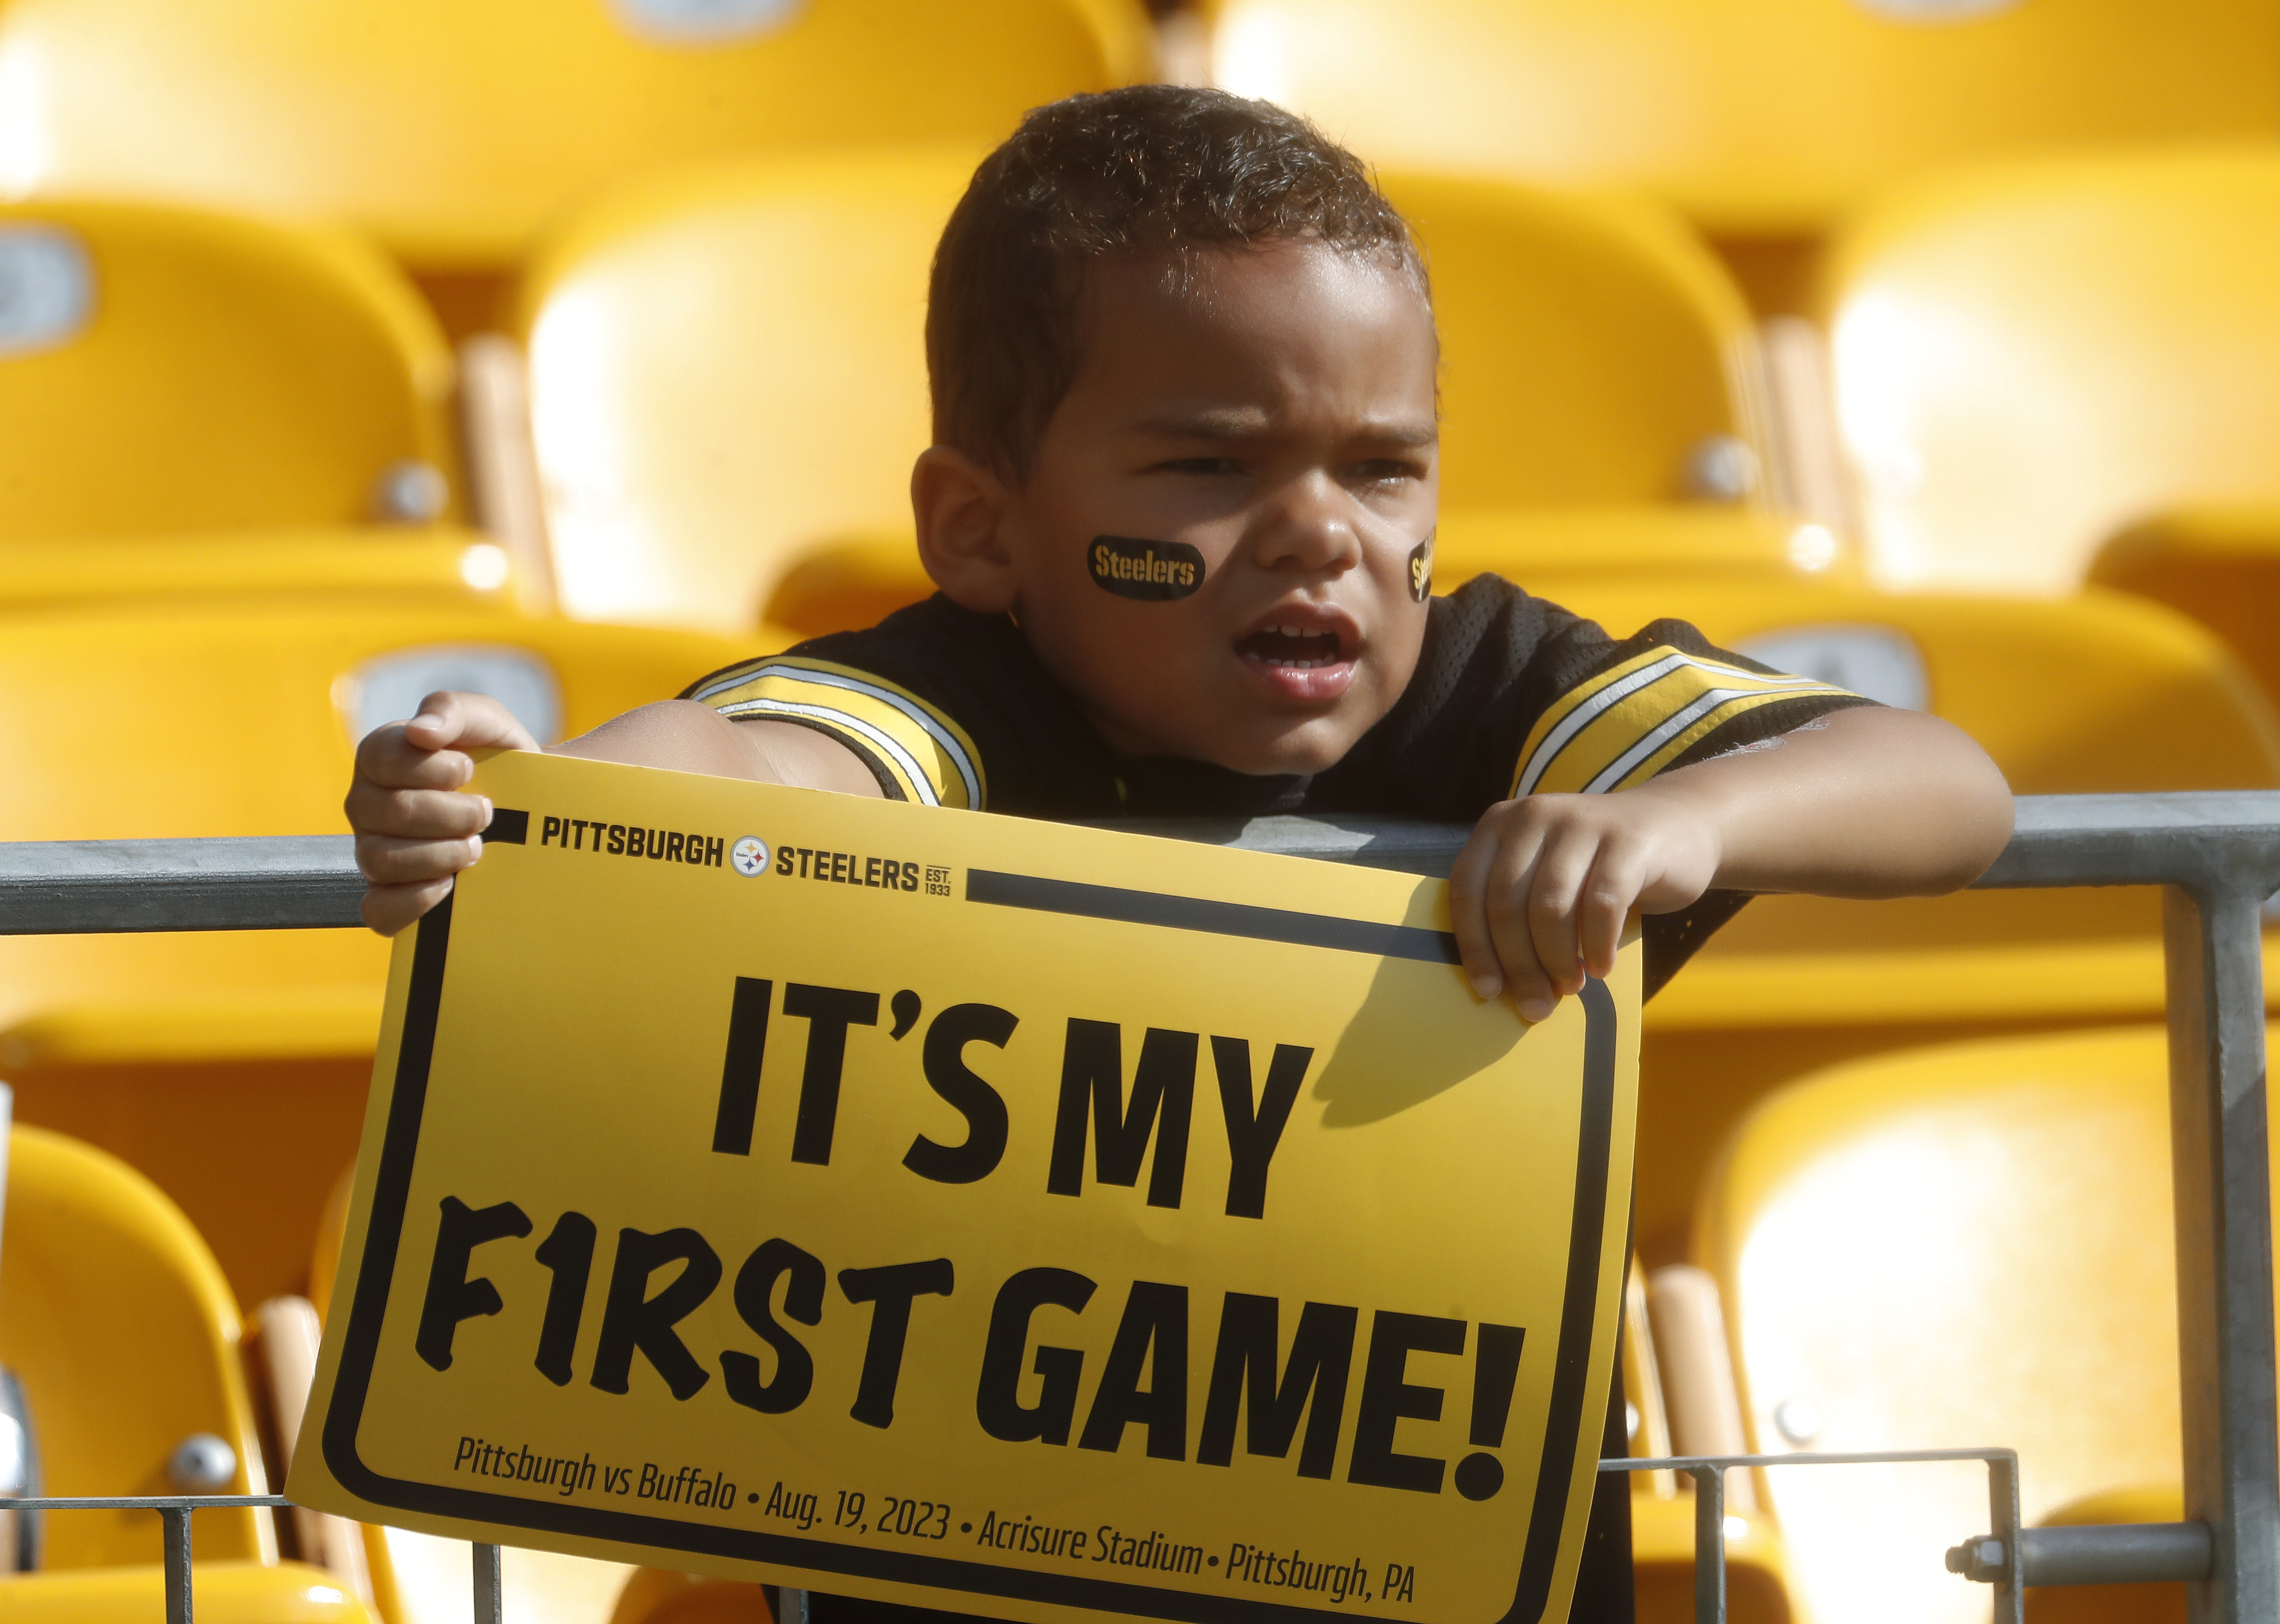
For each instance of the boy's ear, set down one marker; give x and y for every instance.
(961, 508)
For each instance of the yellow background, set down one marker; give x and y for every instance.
(1428, 1167)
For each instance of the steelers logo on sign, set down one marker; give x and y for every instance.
(748, 856)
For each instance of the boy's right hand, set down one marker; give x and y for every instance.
(413, 829)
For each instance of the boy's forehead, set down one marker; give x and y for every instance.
(1192, 323)
(1210, 281)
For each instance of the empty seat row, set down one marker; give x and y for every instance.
(1764, 120)
(2066, 368)
(396, 127)
(2034, 373)
(725, 371)
(451, 130)
(1595, 358)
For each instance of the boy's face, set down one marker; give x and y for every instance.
(1274, 409)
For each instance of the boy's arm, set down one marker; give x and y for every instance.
(414, 830)
(1864, 803)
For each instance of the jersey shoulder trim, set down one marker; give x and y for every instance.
(914, 747)
(1624, 724)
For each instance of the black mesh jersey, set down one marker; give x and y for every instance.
(1512, 695)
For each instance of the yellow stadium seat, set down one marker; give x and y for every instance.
(2051, 690)
(119, 1324)
(235, 1062)
(451, 129)
(702, 350)
(221, 1593)
(169, 372)
(1761, 118)
(2027, 358)
(657, 1595)
(2219, 565)
(1969, 1244)
(1592, 351)
(698, 346)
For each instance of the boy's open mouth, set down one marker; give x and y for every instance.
(1293, 647)
(1302, 653)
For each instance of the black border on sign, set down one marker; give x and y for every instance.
(359, 1348)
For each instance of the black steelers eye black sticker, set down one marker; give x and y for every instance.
(1152, 570)
(1421, 568)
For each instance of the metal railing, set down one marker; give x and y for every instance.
(174, 1512)
(2215, 855)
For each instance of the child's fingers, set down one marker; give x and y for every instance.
(466, 721)
(1510, 881)
(389, 908)
(414, 831)
(1618, 873)
(427, 752)
(392, 759)
(415, 814)
(1468, 914)
(1548, 897)
(385, 859)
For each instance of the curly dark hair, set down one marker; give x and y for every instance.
(1144, 171)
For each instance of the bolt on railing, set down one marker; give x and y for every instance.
(2216, 854)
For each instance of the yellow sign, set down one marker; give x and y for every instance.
(977, 1212)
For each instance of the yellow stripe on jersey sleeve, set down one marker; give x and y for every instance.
(928, 755)
(1630, 721)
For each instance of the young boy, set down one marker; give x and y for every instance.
(1181, 510)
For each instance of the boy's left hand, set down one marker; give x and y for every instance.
(1866, 802)
(1541, 892)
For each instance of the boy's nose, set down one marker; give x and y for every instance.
(1307, 525)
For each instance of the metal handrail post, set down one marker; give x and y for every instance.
(2211, 939)
(1709, 1544)
(2003, 1517)
(490, 1600)
(174, 1531)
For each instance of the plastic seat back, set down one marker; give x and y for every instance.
(1964, 1245)
(699, 347)
(1756, 117)
(2029, 357)
(726, 366)
(2049, 689)
(451, 128)
(230, 1067)
(115, 1316)
(170, 372)
(1592, 352)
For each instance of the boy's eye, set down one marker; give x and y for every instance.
(1381, 470)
